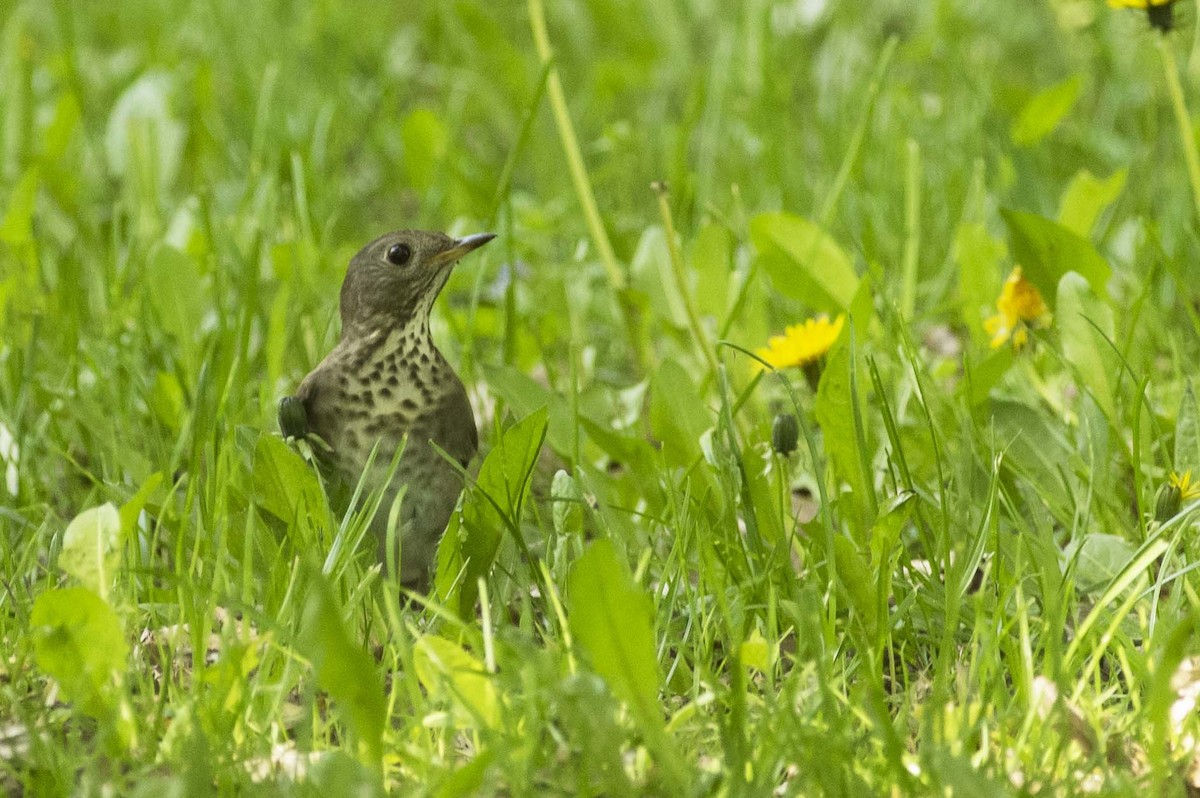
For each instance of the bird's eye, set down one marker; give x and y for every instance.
(398, 254)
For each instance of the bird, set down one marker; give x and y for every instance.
(385, 384)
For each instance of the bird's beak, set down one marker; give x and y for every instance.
(462, 246)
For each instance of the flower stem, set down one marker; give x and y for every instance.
(570, 145)
(1184, 120)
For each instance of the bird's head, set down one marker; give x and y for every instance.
(394, 280)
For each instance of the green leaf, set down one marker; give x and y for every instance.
(1085, 324)
(1033, 446)
(91, 549)
(650, 273)
(77, 639)
(469, 778)
(167, 400)
(525, 395)
(338, 773)
(804, 261)
(835, 412)
(1046, 251)
(855, 575)
(492, 505)
(611, 620)
(1187, 433)
(343, 669)
(568, 504)
(445, 669)
(180, 295)
(985, 373)
(678, 417)
(284, 485)
(1101, 557)
(1086, 197)
(131, 509)
(756, 652)
(1042, 114)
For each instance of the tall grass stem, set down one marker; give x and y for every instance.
(1187, 133)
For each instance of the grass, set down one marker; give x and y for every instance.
(970, 577)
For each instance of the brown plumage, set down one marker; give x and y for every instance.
(385, 379)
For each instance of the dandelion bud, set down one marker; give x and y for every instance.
(1178, 489)
(784, 433)
(1167, 503)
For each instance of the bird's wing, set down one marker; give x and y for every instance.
(293, 418)
(316, 396)
(457, 434)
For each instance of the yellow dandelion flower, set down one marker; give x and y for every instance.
(1183, 483)
(1159, 11)
(1178, 489)
(1019, 307)
(802, 344)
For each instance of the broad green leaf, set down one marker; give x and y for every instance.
(763, 490)
(1085, 325)
(525, 395)
(985, 373)
(855, 575)
(568, 504)
(650, 272)
(834, 411)
(632, 451)
(678, 417)
(490, 507)
(180, 295)
(77, 639)
(167, 400)
(91, 549)
(343, 668)
(1033, 446)
(756, 652)
(1101, 557)
(335, 772)
(1042, 114)
(445, 669)
(611, 620)
(1187, 433)
(1046, 251)
(1086, 197)
(284, 485)
(804, 262)
(469, 778)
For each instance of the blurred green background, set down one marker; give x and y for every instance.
(183, 183)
